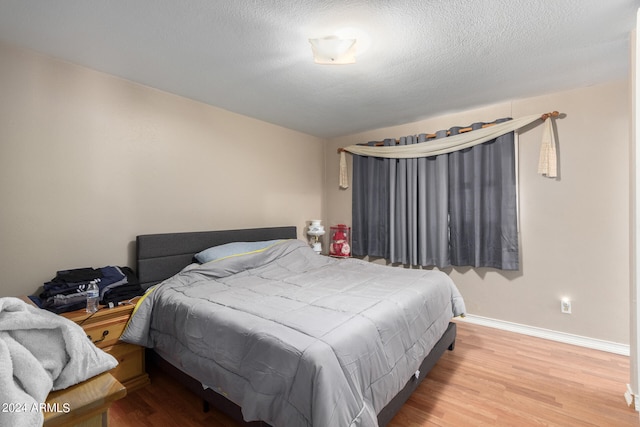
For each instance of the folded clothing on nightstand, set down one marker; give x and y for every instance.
(67, 290)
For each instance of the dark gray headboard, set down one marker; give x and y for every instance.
(160, 256)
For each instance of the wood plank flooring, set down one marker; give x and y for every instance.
(492, 378)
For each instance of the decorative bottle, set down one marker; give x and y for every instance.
(93, 295)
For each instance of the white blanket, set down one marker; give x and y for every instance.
(39, 352)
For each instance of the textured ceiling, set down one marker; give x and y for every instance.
(417, 58)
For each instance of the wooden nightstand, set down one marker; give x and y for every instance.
(104, 328)
(88, 403)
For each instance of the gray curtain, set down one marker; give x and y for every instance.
(370, 207)
(483, 205)
(419, 210)
(451, 209)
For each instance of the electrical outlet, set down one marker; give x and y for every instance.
(565, 306)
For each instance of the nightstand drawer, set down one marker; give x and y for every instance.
(107, 333)
(130, 359)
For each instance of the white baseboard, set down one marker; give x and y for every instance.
(564, 337)
(632, 399)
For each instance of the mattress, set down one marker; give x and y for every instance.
(296, 338)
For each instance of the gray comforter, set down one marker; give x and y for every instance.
(298, 339)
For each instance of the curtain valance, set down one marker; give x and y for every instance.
(546, 166)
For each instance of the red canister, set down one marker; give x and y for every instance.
(340, 241)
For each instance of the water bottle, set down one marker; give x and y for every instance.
(93, 295)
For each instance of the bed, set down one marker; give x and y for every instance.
(276, 334)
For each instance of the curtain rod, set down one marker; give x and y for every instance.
(543, 117)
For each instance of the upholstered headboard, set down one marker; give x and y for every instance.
(160, 256)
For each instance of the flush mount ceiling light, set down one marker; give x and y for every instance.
(333, 50)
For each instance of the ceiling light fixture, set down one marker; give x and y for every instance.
(333, 50)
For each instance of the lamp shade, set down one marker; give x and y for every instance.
(333, 50)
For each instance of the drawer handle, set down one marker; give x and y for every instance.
(104, 335)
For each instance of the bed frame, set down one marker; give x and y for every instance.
(160, 256)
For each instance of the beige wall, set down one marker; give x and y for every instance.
(88, 161)
(574, 230)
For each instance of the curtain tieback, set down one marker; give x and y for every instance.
(548, 163)
(344, 177)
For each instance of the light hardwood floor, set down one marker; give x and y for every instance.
(492, 378)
